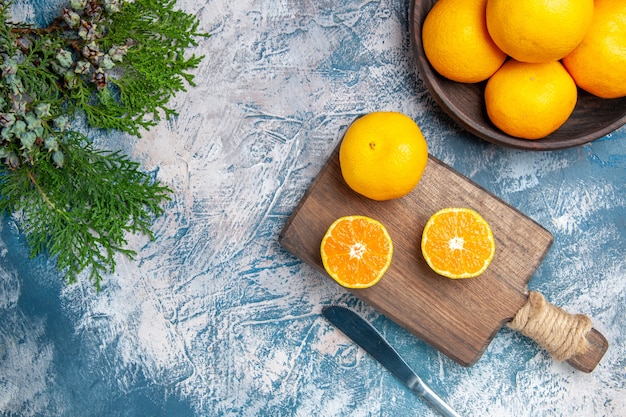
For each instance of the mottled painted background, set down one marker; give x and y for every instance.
(215, 319)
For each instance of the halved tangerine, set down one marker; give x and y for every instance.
(356, 251)
(458, 243)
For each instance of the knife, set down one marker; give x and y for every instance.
(366, 336)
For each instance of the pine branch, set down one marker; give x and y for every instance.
(154, 67)
(80, 215)
(117, 63)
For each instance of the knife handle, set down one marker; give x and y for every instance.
(433, 399)
(567, 337)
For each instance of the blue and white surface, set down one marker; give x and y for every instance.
(214, 318)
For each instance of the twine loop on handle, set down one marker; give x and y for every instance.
(562, 334)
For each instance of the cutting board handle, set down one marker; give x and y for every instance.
(567, 337)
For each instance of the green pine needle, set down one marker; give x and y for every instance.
(77, 204)
(80, 215)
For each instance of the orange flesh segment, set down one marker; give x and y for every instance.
(356, 251)
(458, 243)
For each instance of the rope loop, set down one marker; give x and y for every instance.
(562, 334)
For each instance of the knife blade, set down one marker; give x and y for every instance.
(367, 337)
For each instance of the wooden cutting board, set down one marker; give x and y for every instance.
(457, 317)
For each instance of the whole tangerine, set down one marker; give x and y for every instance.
(456, 41)
(530, 101)
(538, 31)
(598, 64)
(383, 155)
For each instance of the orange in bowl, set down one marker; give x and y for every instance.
(530, 101)
(592, 118)
(598, 64)
(457, 43)
(538, 30)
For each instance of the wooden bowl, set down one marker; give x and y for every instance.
(593, 117)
